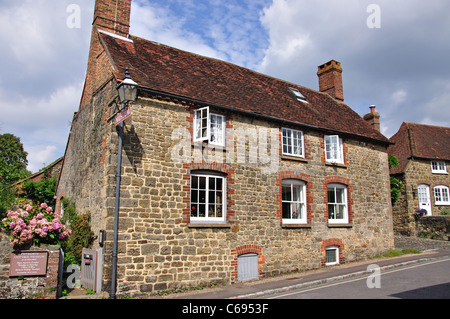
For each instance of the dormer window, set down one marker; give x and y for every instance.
(438, 167)
(298, 95)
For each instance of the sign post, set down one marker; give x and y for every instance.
(28, 263)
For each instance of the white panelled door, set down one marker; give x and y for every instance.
(424, 198)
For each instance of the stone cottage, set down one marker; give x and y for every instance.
(228, 174)
(424, 155)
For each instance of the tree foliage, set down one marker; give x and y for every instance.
(13, 160)
(396, 185)
(41, 192)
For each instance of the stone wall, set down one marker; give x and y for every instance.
(434, 227)
(27, 287)
(159, 248)
(418, 171)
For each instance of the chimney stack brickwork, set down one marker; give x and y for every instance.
(112, 16)
(373, 118)
(330, 79)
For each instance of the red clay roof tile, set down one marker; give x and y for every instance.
(165, 69)
(421, 141)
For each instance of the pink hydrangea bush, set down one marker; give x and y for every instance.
(28, 224)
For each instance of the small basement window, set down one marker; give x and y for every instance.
(298, 95)
(332, 255)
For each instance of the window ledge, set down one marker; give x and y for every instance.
(335, 164)
(209, 225)
(296, 225)
(346, 225)
(294, 158)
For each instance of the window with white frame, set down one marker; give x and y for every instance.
(441, 195)
(293, 143)
(332, 255)
(333, 149)
(293, 202)
(208, 197)
(337, 204)
(438, 167)
(209, 127)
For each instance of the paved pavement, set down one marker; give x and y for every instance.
(279, 284)
(431, 249)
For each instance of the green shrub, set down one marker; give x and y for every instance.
(82, 235)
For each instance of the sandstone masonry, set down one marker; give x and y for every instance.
(190, 210)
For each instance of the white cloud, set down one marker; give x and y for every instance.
(158, 24)
(399, 96)
(40, 156)
(38, 122)
(395, 67)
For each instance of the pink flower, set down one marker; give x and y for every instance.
(28, 207)
(12, 225)
(49, 209)
(44, 205)
(40, 216)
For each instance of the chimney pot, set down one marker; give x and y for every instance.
(373, 118)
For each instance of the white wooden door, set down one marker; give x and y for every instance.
(248, 267)
(424, 198)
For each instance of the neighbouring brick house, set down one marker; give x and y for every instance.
(228, 174)
(424, 154)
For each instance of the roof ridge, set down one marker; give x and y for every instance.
(233, 64)
(182, 73)
(429, 125)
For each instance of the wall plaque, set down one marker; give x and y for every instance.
(28, 263)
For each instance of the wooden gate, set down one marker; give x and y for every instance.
(91, 269)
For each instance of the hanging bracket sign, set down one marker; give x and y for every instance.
(122, 115)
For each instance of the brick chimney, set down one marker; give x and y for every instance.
(330, 79)
(111, 16)
(373, 118)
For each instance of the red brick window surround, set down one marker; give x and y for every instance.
(332, 242)
(209, 169)
(287, 176)
(336, 182)
(247, 249)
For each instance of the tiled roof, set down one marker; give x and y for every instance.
(421, 141)
(165, 69)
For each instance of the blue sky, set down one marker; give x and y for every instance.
(401, 67)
